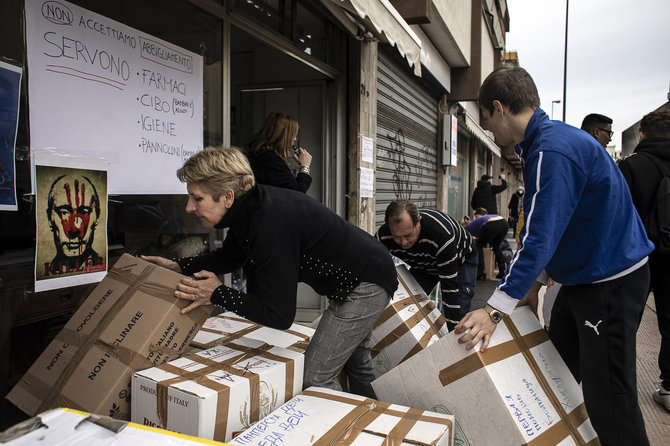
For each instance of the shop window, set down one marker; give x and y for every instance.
(137, 223)
(303, 23)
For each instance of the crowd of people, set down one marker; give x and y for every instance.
(582, 222)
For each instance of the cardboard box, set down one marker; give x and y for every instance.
(68, 427)
(519, 389)
(219, 329)
(217, 392)
(410, 323)
(490, 264)
(130, 321)
(324, 416)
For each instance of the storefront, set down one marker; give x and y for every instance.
(131, 89)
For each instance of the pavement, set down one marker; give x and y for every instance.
(656, 418)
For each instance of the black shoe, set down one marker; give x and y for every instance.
(500, 275)
(481, 276)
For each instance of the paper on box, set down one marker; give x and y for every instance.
(68, 427)
(519, 389)
(217, 392)
(324, 416)
(409, 324)
(219, 329)
(130, 321)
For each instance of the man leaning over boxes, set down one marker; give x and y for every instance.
(581, 228)
(437, 248)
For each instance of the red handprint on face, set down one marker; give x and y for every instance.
(73, 211)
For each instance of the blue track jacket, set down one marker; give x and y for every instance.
(580, 223)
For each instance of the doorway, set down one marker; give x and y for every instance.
(302, 101)
(263, 80)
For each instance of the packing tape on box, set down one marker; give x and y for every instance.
(299, 346)
(79, 354)
(523, 344)
(345, 431)
(185, 375)
(225, 337)
(407, 325)
(416, 299)
(135, 283)
(256, 326)
(223, 391)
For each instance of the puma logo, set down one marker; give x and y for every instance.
(595, 327)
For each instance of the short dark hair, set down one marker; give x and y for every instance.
(595, 121)
(656, 124)
(397, 207)
(512, 86)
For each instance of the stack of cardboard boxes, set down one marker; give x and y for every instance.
(130, 321)
(248, 377)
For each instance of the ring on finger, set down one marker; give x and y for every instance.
(194, 297)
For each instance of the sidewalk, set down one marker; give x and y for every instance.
(656, 418)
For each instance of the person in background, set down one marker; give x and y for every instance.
(515, 207)
(583, 231)
(282, 237)
(643, 172)
(489, 229)
(598, 126)
(484, 195)
(271, 150)
(438, 250)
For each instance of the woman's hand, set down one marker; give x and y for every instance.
(303, 157)
(198, 290)
(162, 261)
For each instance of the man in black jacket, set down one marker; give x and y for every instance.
(484, 195)
(643, 174)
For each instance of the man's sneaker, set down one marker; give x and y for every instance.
(662, 397)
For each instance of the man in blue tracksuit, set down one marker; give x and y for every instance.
(582, 230)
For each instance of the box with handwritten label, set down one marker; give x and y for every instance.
(219, 329)
(410, 323)
(518, 389)
(69, 427)
(321, 416)
(217, 392)
(129, 322)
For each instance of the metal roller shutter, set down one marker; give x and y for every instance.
(407, 131)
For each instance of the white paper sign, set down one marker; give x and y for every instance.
(367, 149)
(103, 88)
(367, 182)
(453, 153)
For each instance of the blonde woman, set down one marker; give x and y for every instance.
(282, 237)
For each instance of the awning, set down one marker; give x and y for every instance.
(474, 128)
(384, 22)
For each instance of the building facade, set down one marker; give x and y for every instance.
(385, 92)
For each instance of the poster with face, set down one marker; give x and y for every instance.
(71, 212)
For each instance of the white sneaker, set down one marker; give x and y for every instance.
(662, 397)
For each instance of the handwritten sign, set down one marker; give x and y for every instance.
(367, 185)
(100, 89)
(367, 149)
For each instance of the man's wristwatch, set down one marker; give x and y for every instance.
(496, 316)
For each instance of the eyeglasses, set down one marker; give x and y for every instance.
(609, 132)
